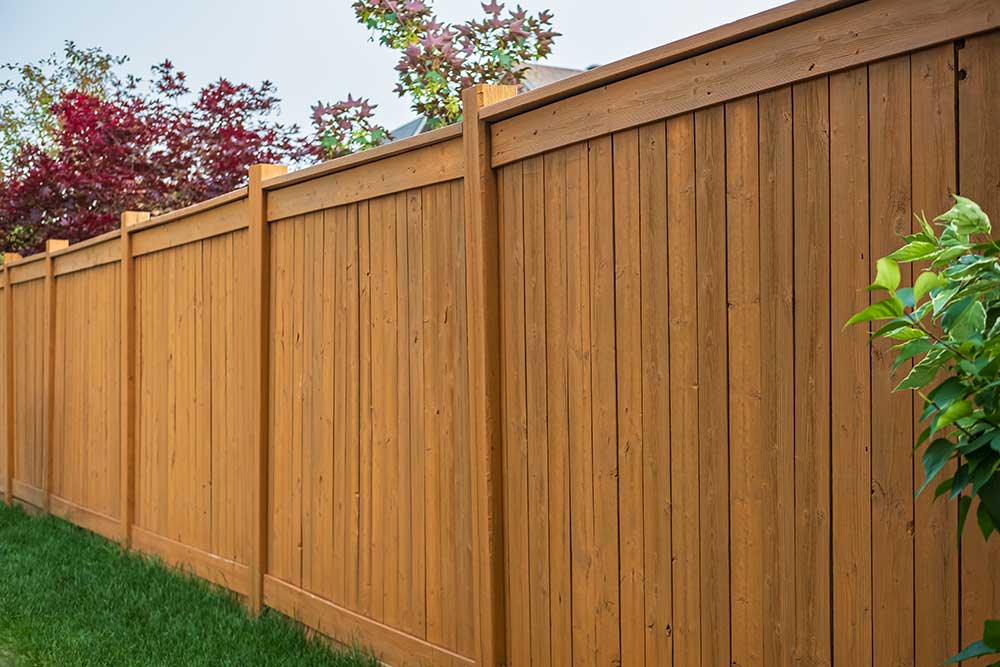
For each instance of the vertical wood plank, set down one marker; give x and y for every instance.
(127, 362)
(746, 442)
(850, 376)
(515, 442)
(49, 366)
(655, 394)
(713, 418)
(260, 257)
(978, 179)
(812, 370)
(892, 414)
(629, 349)
(580, 404)
(684, 431)
(482, 292)
(536, 303)
(934, 176)
(557, 314)
(10, 403)
(606, 574)
(777, 375)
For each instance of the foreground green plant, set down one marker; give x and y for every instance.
(71, 599)
(948, 325)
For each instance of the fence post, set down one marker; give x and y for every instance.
(127, 363)
(8, 375)
(260, 259)
(483, 290)
(50, 368)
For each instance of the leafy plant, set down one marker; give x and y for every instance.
(437, 60)
(80, 142)
(947, 325)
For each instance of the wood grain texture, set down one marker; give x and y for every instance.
(979, 179)
(852, 36)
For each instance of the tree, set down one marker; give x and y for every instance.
(81, 144)
(948, 325)
(437, 60)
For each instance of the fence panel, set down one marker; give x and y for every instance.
(611, 402)
(86, 486)
(192, 412)
(29, 367)
(370, 469)
(696, 468)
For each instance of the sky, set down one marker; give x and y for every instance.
(315, 50)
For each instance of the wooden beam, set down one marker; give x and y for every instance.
(126, 321)
(50, 367)
(483, 290)
(858, 34)
(260, 256)
(8, 376)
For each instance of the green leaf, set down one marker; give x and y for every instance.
(959, 481)
(925, 282)
(966, 218)
(942, 396)
(925, 226)
(984, 521)
(882, 310)
(935, 456)
(942, 488)
(991, 634)
(924, 372)
(906, 333)
(906, 351)
(970, 322)
(913, 251)
(887, 275)
(973, 650)
(955, 411)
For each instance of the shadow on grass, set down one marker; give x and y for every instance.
(69, 598)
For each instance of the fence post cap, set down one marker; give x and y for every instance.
(51, 245)
(129, 218)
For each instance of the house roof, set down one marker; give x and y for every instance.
(536, 76)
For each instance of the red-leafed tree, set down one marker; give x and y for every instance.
(79, 144)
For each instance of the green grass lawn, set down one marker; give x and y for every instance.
(70, 598)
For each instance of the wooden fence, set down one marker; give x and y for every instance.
(565, 385)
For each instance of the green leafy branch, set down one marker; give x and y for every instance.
(947, 325)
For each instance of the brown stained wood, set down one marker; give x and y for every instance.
(515, 426)
(88, 256)
(198, 226)
(713, 475)
(978, 176)
(629, 358)
(933, 128)
(483, 299)
(48, 364)
(126, 362)
(606, 571)
(336, 621)
(556, 354)
(260, 259)
(580, 403)
(850, 380)
(10, 401)
(686, 627)
(434, 164)
(354, 160)
(746, 435)
(739, 30)
(855, 35)
(534, 196)
(892, 414)
(812, 370)
(777, 366)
